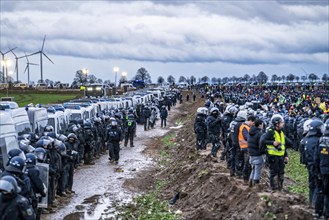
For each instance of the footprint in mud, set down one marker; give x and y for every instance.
(74, 216)
(91, 199)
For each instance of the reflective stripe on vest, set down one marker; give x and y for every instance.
(242, 142)
(279, 137)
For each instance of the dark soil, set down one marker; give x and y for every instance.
(206, 189)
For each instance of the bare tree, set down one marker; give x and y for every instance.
(205, 79)
(171, 79)
(291, 77)
(143, 74)
(313, 77)
(274, 78)
(182, 79)
(160, 80)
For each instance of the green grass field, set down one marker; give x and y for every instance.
(24, 98)
(298, 173)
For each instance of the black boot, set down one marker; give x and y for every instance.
(174, 199)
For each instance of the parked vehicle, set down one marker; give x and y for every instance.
(41, 86)
(21, 86)
(57, 120)
(8, 137)
(38, 119)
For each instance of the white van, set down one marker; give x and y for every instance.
(128, 85)
(57, 120)
(21, 86)
(8, 137)
(38, 119)
(41, 86)
(21, 121)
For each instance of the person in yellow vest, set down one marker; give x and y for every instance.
(243, 138)
(275, 142)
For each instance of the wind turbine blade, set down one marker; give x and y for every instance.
(33, 53)
(27, 66)
(13, 53)
(10, 50)
(43, 44)
(26, 57)
(34, 64)
(47, 57)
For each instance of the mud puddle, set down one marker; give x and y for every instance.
(97, 187)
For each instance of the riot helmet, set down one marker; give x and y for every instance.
(306, 126)
(25, 146)
(276, 119)
(202, 110)
(15, 152)
(40, 153)
(16, 165)
(31, 159)
(114, 123)
(243, 114)
(214, 111)
(49, 128)
(316, 128)
(9, 185)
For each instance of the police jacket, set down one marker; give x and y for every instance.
(200, 126)
(147, 112)
(114, 134)
(267, 141)
(321, 156)
(130, 122)
(310, 144)
(163, 113)
(36, 182)
(227, 118)
(254, 147)
(213, 125)
(234, 129)
(54, 161)
(23, 181)
(17, 207)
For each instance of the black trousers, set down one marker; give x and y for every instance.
(114, 150)
(130, 136)
(276, 165)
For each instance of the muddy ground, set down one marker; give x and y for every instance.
(206, 189)
(97, 187)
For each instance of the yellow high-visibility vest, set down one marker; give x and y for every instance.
(279, 137)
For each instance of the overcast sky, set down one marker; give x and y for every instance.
(213, 38)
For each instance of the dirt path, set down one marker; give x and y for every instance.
(97, 186)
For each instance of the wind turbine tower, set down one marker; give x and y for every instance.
(41, 55)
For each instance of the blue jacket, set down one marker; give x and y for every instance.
(321, 156)
(311, 143)
(213, 125)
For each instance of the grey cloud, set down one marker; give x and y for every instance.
(234, 32)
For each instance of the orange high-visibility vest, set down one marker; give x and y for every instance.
(242, 142)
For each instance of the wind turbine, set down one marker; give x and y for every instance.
(3, 59)
(16, 64)
(41, 55)
(28, 68)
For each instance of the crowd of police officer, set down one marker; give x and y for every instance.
(253, 123)
(21, 183)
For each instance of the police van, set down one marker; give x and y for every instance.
(77, 112)
(57, 120)
(8, 137)
(38, 118)
(19, 116)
